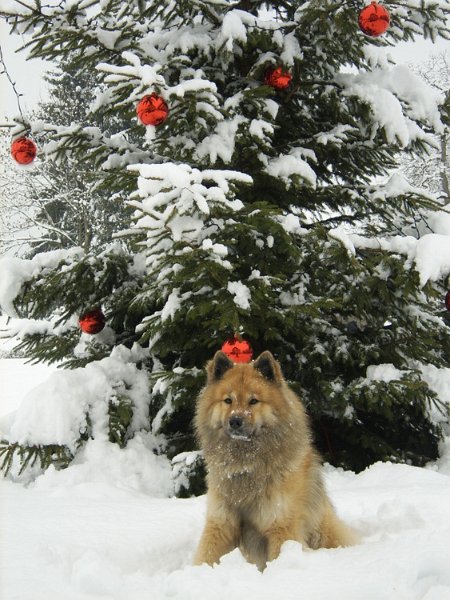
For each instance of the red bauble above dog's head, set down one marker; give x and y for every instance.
(373, 19)
(152, 110)
(277, 78)
(447, 300)
(92, 321)
(238, 350)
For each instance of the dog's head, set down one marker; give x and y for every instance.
(241, 400)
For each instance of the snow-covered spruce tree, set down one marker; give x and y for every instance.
(256, 211)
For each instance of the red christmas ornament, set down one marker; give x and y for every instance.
(152, 110)
(238, 351)
(92, 321)
(277, 78)
(447, 300)
(23, 150)
(373, 19)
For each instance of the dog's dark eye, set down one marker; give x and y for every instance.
(228, 401)
(254, 401)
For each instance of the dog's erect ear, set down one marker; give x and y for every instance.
(218, 366)
(268, 367)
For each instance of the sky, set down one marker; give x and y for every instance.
(28, 75)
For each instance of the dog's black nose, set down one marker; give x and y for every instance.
(236, 422)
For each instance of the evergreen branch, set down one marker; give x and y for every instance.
(351, 219)
(10, 241)
(321, 82)
(88, 4)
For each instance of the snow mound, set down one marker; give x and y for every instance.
(55, 412)
(103, 468)
(95, 533)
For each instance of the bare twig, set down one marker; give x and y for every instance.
(13, 83)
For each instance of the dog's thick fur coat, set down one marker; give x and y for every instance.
(264, 477)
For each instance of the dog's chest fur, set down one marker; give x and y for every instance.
(245, 490)
(252, 489)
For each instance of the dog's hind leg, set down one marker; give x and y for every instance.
(334, 532)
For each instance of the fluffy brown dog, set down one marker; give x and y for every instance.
(264, 477)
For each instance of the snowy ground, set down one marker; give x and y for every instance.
(103, 529)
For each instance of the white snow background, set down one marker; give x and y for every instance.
(105, 529)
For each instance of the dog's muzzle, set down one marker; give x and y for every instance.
(237, 428)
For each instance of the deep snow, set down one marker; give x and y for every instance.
(102, 529)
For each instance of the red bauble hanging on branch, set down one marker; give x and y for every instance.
(152, 110)
(277, 78)
(373, 19)
(447, 300)
(238, 350)
(92, 321)
(23, 150)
